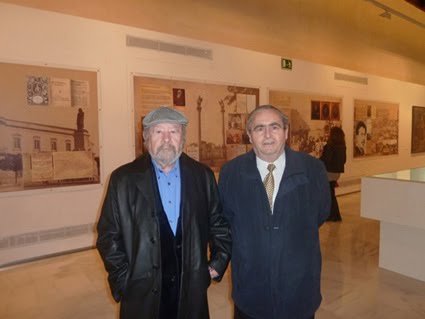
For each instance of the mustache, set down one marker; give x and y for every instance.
(166, 147)
(166, 155)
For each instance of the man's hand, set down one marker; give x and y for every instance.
(213, 273)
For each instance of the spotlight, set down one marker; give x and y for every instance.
(386, 15)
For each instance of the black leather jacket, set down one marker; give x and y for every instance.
(129, 239)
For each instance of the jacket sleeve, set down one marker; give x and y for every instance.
(110, 244)
(222, 189)
(344, 156)
(327, 155)
(220, 242)
(323, 194)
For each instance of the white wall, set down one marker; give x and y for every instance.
(30, 36)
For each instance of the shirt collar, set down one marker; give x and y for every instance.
(279, 163)
(175, 170)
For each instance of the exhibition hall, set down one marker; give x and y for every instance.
(84, 82)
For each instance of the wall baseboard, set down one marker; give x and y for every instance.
(13, 264)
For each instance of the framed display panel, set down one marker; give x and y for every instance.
(375, 128)
(49, 132)
(311, 117)
(217, 115)
(418, 130)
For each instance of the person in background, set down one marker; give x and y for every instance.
(334, 157)
(159, 215)
(275, 200)
(360, 139)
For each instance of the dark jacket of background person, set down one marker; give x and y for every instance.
(129, 241)
(334, 157)
(276, 259)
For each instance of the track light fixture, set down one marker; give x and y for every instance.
(389, 12)
(386, 15)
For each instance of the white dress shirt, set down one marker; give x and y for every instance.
(277, 172)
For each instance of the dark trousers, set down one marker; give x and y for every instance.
(335, 214)
(169, 299)
(238, 314)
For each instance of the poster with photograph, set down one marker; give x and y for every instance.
(325, 111)
(335, 114)
(37, 90)
(49, 133)
(418, 129)
(311, 116)
(217, 115)
(375, 129)
(179, 97)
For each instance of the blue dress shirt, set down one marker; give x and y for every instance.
(170, 192)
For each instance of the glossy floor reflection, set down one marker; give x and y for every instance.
(74, 286)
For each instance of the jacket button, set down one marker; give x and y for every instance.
(153, 241)
(155, 291)
(155, 267)
(153, 214)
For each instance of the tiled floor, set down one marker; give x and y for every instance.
(74, 286)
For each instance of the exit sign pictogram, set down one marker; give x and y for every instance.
(286, 64)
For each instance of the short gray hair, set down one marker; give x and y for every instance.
(251, 116)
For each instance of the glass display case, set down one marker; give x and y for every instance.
(397, 200)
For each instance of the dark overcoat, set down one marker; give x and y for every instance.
(129, 238)
(276, 259)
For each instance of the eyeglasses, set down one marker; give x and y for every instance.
(271, 128)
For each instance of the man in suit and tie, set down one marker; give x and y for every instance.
(275, 200)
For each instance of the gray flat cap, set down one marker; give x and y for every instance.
(164, 114)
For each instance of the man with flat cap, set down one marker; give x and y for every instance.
(160, 213)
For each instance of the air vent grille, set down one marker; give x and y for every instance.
(351, 78)
(142, 43)
(45, 235)
(169, 47)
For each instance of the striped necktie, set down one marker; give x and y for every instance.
(269, 184)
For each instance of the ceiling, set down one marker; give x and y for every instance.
(420, 4)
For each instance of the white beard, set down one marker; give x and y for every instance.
(166, 155)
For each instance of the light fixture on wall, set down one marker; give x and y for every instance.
(386, 15)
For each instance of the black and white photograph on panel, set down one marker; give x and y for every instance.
(375, 128)
(418, 129)
(217, 115)
(49, 132)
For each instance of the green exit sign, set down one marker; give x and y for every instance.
(286, 64)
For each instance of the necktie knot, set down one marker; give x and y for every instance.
(271, 167)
